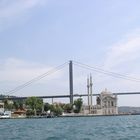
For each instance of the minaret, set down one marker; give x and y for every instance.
(91, 84)
(91, 106)
(88, 90)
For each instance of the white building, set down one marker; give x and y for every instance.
(106, 104)
(1, 107)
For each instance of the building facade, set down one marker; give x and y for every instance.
(1, 107)
(106, 104)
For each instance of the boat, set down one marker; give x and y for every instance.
(5, 115)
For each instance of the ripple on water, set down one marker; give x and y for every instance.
(82, 128)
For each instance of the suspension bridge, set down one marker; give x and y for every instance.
(71, 95)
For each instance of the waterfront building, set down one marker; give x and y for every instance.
(19, 113)
(106, 104)
(1, 107)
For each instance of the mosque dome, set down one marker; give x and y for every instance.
(106, 92)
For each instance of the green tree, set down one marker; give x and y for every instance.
(47, 107)
(78, 105)
(18, 104)
(68, 108)
(35, 104)
(57, 110)
(8, 105)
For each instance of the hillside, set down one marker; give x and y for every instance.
(129, 109)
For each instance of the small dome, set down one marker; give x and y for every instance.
(105, 92)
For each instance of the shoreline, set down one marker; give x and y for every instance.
(69, 116)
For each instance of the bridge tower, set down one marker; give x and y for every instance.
(71, 81)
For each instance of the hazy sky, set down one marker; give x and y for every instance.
(37, 35)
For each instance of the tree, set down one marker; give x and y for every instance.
(19, 104)
(16, 105)
(47, 107)
(57, 110)
(78, 105)
(68, 108)
(8, 104)
(34, 103)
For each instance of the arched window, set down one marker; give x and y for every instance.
(112, 103)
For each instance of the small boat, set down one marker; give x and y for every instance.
(5, 115)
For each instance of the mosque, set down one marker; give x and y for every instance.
(106, 102)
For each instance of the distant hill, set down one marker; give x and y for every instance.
(129, 109)
(5, 96)
(1, 96)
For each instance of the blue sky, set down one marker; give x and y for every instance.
(37, 35)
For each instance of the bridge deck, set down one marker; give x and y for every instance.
(67, 96)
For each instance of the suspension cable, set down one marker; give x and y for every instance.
(106, 72)
(37, 78)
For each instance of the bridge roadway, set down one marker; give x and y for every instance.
(65, 96)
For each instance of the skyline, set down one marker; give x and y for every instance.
(37, 35)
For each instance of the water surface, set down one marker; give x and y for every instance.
(72, 128)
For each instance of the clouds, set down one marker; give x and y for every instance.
(123, 57)
(15, 8)
(52, 32)
(15, 72)
(125, 51)
(13, 69)
(16, 11)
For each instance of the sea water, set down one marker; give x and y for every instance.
(72, 128)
